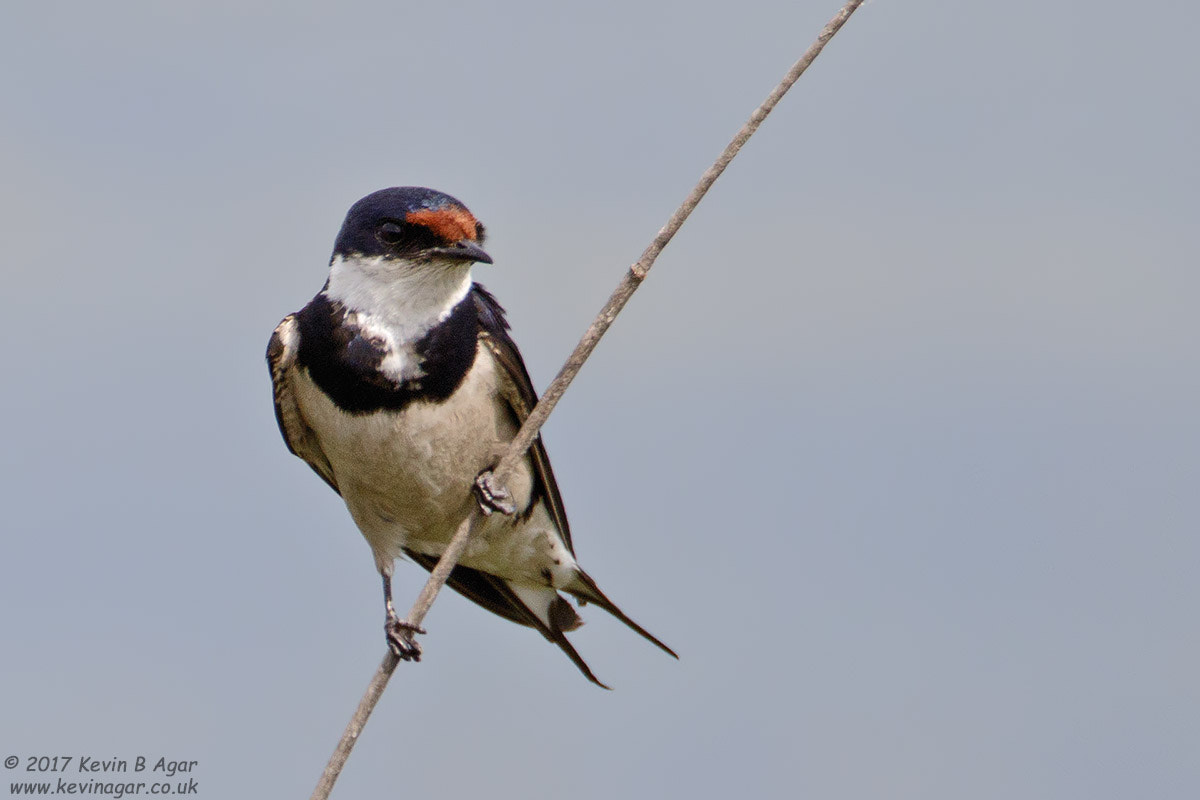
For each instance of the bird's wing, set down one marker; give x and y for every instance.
(299, 437)
(516, 389)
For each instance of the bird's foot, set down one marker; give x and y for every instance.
(492, 496)
(400, 638)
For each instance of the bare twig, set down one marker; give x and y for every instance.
(529, 430)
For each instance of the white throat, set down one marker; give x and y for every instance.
(396, 302)
(403, 298)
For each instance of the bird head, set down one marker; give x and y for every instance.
(405, 245)
(412, 224)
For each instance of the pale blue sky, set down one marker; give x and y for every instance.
(898, 446)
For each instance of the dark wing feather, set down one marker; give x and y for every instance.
(495, 595)
(517, 390)
(586, 591)
(519, 394)
(299, 438)
(477, 587)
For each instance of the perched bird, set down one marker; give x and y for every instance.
(400, 386)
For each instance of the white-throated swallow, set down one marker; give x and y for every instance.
(400, 385)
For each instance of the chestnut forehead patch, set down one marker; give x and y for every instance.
(450, 223)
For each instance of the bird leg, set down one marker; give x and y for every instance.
(399, 632)
(492, 496)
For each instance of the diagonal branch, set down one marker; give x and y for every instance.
(529, 430)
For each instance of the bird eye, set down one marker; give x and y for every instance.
(390, 233)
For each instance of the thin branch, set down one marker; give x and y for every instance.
(365, 706)
(529, 430)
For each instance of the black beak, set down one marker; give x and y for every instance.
(464, 250)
